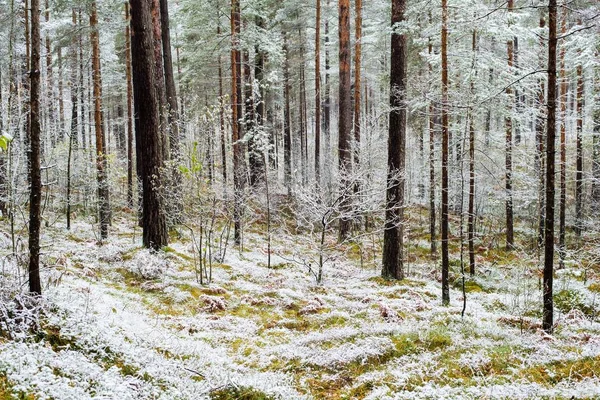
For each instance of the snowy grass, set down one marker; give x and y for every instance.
(119, 322)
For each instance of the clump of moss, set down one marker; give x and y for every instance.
(594, 287)
(558, 371)
(568, 299)
(232, 392)
(8, 393)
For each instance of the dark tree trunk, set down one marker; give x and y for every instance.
(236, 108)
(393, 243)
(548, 318)
(74, 119)
(445, 144)
(287, 135)
(471, 218)
(147, 125)
(327, 97)
(259, 69)
(579, 161)
(564, 86)
(357, 83)
(222, 111)
(101, 161)
(318, 94)
(508, 149)
(130, 197)
(345, 117)
(431, 162)
(539, 158)
(35, 177)
(159, 80)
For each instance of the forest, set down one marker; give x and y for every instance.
(261, 200)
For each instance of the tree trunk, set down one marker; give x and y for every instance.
(548, 317)
(539, 138)
(563, 148)
(101, 161)
(508, 148)
(159, 79)
(345, 117)
(259, 103)
(51, 128)
(318, 95)
(236, 108)
(445, 140)
(147, 125)
(287, 135)
(130, 197)
(579, 161)
(327, 95)
(471, 219)
(35, 177)
(357, 77)
(222, 111)
(74, 118)
(431, 162)
(393, 243)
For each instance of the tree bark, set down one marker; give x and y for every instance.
(539, 138)
(445, 144)
(345, 117)
(318, 94)
(287, 135)
(35, 177)
(357, 82)
(508, 148)
(393, 243)
(471, 218)
(236, 108)
(579, 160)
(432, 216)
(101, 161)
(548, 309)
(563, 148)
(147, 125)
(130, 198)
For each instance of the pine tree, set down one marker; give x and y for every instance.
(393, 242)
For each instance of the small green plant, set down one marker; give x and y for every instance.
(232, 392)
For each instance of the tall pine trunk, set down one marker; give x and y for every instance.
(548, 309)
(509, 147)
(564, 85)
(130, 198)
(393, 243)
(445, 144)
(345, 117)
(236, 108)
(318, 94)
(147, 125)
(579, 161)
(101, 160)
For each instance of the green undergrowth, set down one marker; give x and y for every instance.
(232, 392)
(7, 391)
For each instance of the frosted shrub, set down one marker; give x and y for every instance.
(149, 265)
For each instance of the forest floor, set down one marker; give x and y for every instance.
(118, 322)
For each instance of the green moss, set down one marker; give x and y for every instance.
(569, 299)
(8, 393)
(594, 287)
(392, 282)
(437, 339)
(558, 371)
(239, 393)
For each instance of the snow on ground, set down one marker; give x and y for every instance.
(122, 323)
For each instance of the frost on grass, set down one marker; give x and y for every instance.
(128, 323)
